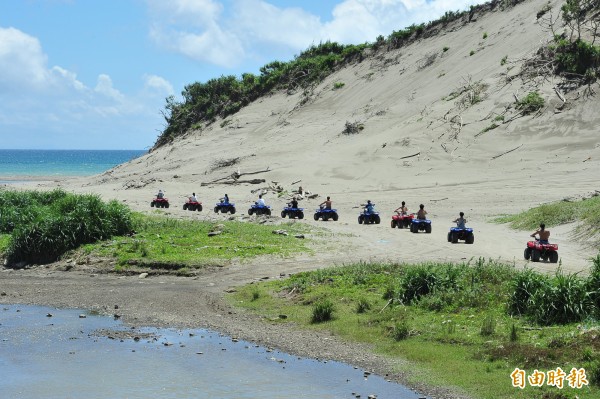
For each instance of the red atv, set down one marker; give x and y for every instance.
(402, 221)
(192, 206)
(160, 202)
(536, 250)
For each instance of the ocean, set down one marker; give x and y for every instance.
(27, 164)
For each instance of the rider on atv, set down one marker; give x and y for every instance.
(369, 207)
(293, 203)
(544, 234)
(422, 213)
(461, 221)
(402, 210)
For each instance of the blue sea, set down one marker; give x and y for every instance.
(61, 163)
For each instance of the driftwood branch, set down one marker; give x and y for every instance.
(410, 156)
(252, 181)
(296, 182)
(506, 152)
(234, 177)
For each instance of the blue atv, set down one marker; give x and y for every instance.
(369, 217)
(259, 210)
(292, 213)
(420, 225)
(326, 214)
(225, 207)
(458, 233)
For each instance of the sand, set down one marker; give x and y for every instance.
(406, 107)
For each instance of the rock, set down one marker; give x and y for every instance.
(214, 233)
(3, 293)
(49, 315)
(283, 316)
(142, 275)
(82, 316)
(132, 262)
(301, 236)
(280, 232)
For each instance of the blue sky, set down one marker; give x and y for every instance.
(94, 74)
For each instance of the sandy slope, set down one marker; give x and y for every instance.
(406, 107)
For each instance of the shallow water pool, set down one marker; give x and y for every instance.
(74, 354)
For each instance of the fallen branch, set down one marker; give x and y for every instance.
(410, 156)
(509, 151)
(252, 181)
(296, 182)
(436, 200)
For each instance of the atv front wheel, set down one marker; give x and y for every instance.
(316, 216)
(335, 217)
(185, 207)
(535, 255)
(377, 219)
(283, 213)
(449, 236)
(428, 229)
(393, 223)
(454, 237)
(301, 215)
(361, 219)
(216, 209)
(527, 253)
(553, 257)
(232, 210)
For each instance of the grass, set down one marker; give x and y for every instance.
(461, 317)
(586, 211)
(173, 243)
(43, 225)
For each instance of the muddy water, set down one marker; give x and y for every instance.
(70, 356)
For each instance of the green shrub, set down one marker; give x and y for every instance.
(523, 286)
(485, 35)
(322, 311)
(400, 331)
(42, 231)
(531, 103)
(362, 305)
(488, 326)
(338, 85)
(471, 53)
(504, 60)
(446, 48)
(514, 335)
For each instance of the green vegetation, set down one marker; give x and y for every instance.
(586, 211)
(485, 35)
(471, 53)
(504, 60)
(484, 319)
(446, 48)
(570, 54)
(488, 128)
(530, 103)
(44, 225)
(168, 243)
(338, 85)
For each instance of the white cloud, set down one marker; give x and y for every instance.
(191, 28)
(22, 60)
(48, 106)
(158, 85)
(206, 31)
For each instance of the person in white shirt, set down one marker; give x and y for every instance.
(261, 201)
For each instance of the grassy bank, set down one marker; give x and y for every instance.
(467, 325)
(585, 211)
(163, 242)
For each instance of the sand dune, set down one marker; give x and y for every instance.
(415, 100)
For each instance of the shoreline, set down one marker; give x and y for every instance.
(194, 302)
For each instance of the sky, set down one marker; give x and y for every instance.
(94, 74)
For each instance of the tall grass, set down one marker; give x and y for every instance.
(44, 225)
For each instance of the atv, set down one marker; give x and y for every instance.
(259, 210)
(536, 250)
(292, 213)
(369, 217)
(160, 203)
(457, 233)
(225, 207)
(417, 225)
(326, 214)
(402, 221)
(192, 206)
